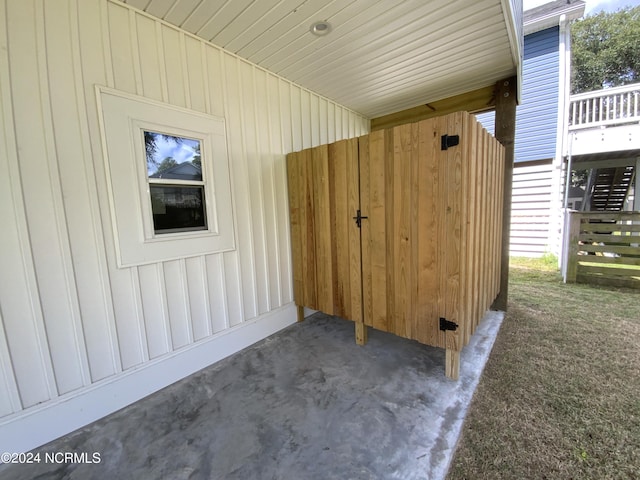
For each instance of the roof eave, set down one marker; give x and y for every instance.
(571, 12)
(513, 17)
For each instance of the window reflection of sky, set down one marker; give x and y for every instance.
(183, 151)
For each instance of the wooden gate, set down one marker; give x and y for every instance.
(400, 229)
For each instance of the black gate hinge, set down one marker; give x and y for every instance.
(449, 141)
(447, 325)
(358, 218)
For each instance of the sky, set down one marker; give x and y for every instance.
(592, 6)
(180, 152)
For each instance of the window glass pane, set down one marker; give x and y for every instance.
(177, 208)
(172, 157)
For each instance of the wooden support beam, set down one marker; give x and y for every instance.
(636, 195)
(475, 101)
(572, 251)
(506, 101)
(452, 364)
(361, 333)
(300, 309)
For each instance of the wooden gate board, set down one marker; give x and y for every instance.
(402, 268)
(429, 246)
(323, 198)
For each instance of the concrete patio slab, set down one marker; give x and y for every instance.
(306, 403)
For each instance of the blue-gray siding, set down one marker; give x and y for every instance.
(537, 115)
(536, 127)
(537, 119)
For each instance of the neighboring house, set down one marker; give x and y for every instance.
(181, 171)
(540, 128)
(98, 307)
(603, 144)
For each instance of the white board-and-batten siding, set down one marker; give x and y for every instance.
(80, 337)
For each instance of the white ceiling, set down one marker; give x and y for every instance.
(381, 56)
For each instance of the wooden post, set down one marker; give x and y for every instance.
(300, 313)
(361, 333)
(506, 100)
(636, 191)
(572, 250)
(452, 364)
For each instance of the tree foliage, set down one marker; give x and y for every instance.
(151, 147)
(606, 50)
(579, 178)
(197, 156)
(166, 164)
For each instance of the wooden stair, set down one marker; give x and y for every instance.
(608, 188)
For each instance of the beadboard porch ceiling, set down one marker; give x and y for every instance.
(380, 57)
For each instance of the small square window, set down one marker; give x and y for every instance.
(176, 185)
(168, 179)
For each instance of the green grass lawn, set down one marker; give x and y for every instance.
(560, 395)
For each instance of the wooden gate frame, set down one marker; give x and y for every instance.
(315, 182)
(501, 97)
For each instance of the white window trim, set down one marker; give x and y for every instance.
(206, 141)
(123, 118)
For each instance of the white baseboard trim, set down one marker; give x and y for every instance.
(41, 424)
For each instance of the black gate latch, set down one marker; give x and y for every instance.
(449, 141)
(358, 218)
(447, 325)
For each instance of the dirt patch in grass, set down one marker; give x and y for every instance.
(560, 395)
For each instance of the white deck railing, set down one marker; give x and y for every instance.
(608, 107)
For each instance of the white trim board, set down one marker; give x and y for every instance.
(31, 429)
